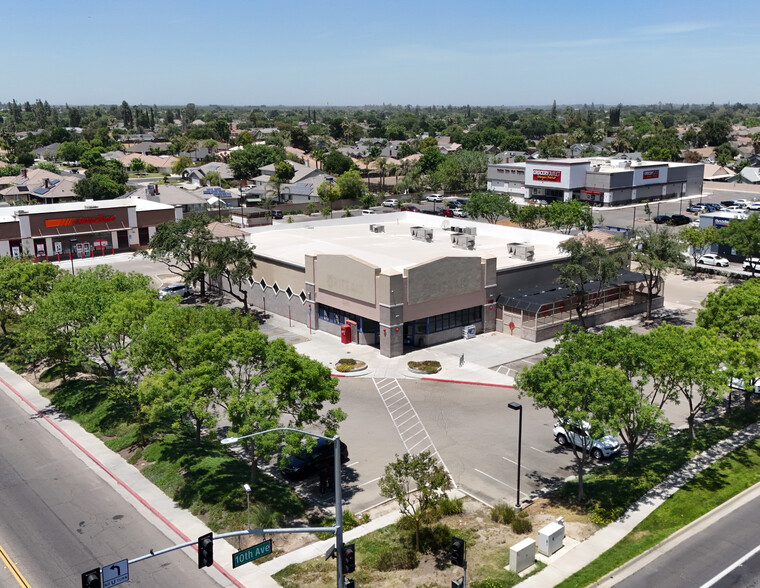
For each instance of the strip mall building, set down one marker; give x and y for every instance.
(600, 181)
(82, 229)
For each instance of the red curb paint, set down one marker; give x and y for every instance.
(338, 375)
(469, 383)
(97, 462)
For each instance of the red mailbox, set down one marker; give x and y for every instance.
(345, 333)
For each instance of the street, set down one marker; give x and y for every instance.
(59, 519)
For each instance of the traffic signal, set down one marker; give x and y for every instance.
(457, 552)
(206, 550)
(458, 583)
(349, 558)
(349, 583)
(91, 579)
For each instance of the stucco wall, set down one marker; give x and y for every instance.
(346, 275)
(444, 277)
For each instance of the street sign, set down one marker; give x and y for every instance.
(116, 573)
(251, 553)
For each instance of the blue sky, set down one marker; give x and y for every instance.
(422, 52)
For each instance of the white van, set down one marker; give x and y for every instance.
(367, 211)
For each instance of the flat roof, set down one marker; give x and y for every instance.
(8, 214)
(395, 249)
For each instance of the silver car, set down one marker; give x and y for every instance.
(178, 289)
(579, 436)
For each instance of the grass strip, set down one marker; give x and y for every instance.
(717, 484)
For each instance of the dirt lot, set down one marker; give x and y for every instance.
(488, 553)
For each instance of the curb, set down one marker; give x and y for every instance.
(468, 383)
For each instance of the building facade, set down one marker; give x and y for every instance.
(82, 229)
(599, 181)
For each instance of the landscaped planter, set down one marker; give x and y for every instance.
(424, 367)
(346, 365)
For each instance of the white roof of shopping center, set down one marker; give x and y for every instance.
(395, 248)
(9, 213)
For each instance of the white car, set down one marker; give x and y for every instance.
(391, 202)
(178, 289)
(713, 259)
(459, 212)
(753, 206)
(751, 263)
(597, 448)
(434, 197)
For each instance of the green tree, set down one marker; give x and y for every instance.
(690, 362)
(490, 206)
(182, 247)
(743, 235)
(98, 187)
(137, 165)
(576, 390)
(590, 262)
(698, 238)
(551, 146)
(329, 193)
(181, 165)
(417, 483)
(430, 160)
(335, 163)
(231, 262)
(566, 216)
(48, 166)
(350, 185)
(293, 390)
(247, 162)
(656, 253)
(24, 282)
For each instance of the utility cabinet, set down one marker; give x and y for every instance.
(522, 555)
(550, 538)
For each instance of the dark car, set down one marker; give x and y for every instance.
(711, 206)
(305, 463)
(661, 219)
(410, 208)
(276, 214)
(679, 219)
(445, 212)
(729, 203)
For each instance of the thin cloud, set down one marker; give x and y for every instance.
(674, 28)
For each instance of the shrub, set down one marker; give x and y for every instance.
(397, 558)
(429, 366)
(521, 526)
(264, 516)
(450, 506)
(435, 539)
(502, 513)
(346, 365)
(349, 522)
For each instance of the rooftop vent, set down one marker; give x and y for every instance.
(377, 228)
(521, 251)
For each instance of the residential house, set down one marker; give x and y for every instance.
(38, 185)
(195, 175)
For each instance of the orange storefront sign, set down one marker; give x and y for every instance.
(82, 220)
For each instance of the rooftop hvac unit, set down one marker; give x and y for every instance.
(463, 241)
(521, 251)
(377, 228)
(471, 230)
(422, 234)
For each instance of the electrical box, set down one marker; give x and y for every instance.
(550, 538)
(522, 555)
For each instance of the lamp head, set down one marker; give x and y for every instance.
(246, 487)
(229, 440)
(512, 405)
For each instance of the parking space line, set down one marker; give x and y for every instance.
(370, 482)
(494, 479)
(540, 450)
(514, 462)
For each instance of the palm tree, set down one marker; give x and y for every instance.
(382, 167)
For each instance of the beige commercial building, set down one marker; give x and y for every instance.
(398, 280)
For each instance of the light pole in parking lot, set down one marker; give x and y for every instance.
(517, 406)
(338, 495)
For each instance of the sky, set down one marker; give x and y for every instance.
(418, 52)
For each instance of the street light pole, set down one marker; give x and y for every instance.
(72, 242)
(338, 492)
(247, 489)
(517, 406)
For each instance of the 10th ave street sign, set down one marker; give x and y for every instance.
(251, 553)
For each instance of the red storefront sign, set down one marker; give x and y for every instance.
(82, 220)
(651, 174)
(547, 175)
